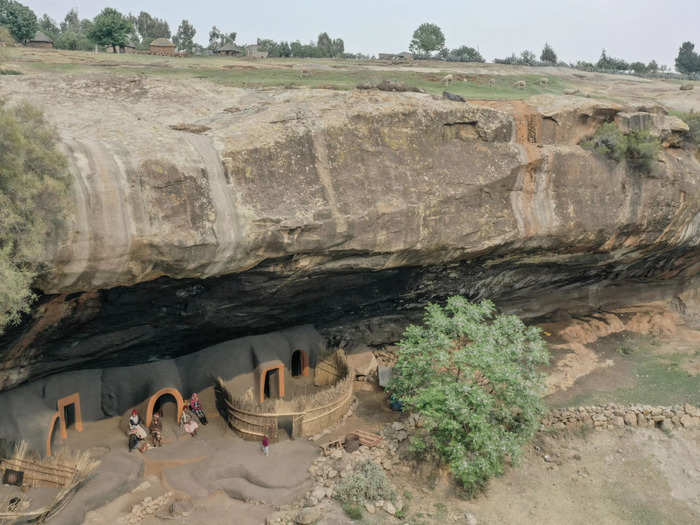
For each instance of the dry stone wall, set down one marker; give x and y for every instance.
(613, 415)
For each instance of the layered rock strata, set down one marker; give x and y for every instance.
(332, 208)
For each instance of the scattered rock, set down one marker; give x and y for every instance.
(452, 96)
(181, 508)
(308, 516)
(686, 87)
(470, 519)
(369, 507)
(389, 508)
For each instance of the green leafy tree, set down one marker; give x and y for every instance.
(184, 38)
(688, 61)
(548, 55)
(527, 58)
(472, 376)
(325, 45)
(465, 54)
(146, 28)
(652, 67)
(426, 39)
(608, 63)
(33, 200)
(49, 27)
(338, 47)
(71, 22)
(638, 67)
(73, 33)
(218, 39)
(19, 19)
(73, 41)
(110, 28)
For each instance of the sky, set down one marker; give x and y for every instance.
(577, 29)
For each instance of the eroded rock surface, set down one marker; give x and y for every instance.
(330, 207)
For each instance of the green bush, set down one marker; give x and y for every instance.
(638, 148)
(693, 121)
(33, 200)
(473, 377)
(354, 512)
(367, 482)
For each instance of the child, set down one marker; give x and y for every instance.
(266, 446)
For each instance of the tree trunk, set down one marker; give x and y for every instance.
(114, 48)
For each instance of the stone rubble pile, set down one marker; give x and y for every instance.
(612, 415)
(328, 471)
(148, 507)
(387, 356)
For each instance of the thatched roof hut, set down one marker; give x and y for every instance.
(40, 40)
(229, 49)
(162, 46)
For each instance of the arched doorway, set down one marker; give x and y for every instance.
(300, 363)
(180, 404)
(272, 383)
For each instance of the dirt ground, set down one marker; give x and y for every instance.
(645, 354)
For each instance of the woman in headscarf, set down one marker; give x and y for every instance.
(196, 407)
(135, 427)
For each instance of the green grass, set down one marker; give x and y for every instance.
(325, 73)
(658, 380)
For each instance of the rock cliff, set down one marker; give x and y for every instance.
(267, 209)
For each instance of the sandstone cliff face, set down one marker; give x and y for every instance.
(331, 207)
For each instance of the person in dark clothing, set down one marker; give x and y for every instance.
(156, 429)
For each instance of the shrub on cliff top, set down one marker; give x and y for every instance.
(638, 148)
(33, 198)
(693, 121)
(473, 377)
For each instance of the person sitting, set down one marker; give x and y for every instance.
(188, 423)
(196, 407)
(135, 426)
(156, 429)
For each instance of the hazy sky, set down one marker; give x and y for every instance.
(577, 29)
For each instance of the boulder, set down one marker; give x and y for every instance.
(389, 508)
(689, 421)
(452, 96)
(308, 516)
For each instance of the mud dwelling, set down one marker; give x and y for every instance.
(283, 380)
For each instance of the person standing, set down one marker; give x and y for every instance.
(156, 429)
(266, 445)
(196, 407)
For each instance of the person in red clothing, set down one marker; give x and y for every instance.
(266, 445)
(196, 408)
